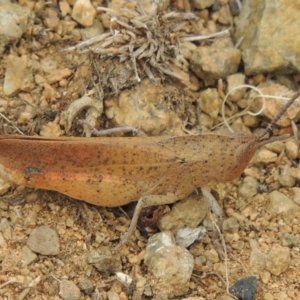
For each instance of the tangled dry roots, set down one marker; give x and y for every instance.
(150, 40)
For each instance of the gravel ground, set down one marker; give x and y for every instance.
(145, 71)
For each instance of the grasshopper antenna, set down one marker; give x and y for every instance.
(279, 115)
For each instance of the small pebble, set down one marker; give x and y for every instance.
(3, 245)
(216, 6)
(268, 296)
(213, 62)
(111, 295)
(84, 12)
(257, 257)
(296, 194)
(234, 8)
(224, 16)
(51, 129)
(26, 115)
(169, 264)
(125, 279)
(290, 240)
(230, 225)
(212, 256)
(51, 19)
(4, 186)
(44, 240)
(244, 288)
(210, 102)
(296, 172)
(86, 285)
(58, 74)
(69, 222)
(64, 7)
(15, 21)
(202, 4)
(105, 261)
(250, 121)
(199, 263)
(278, 259)
(292, 148)
(264, 156)
(31, 218)
(279, 203)
(248, 188)
(265, 276)
(277, 147)
(187, 236)
(285, 176)
(189, 212)
(18, 76)
(27, 256)
(68, 290)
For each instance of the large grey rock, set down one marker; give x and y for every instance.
(270, 36)
(14, 20)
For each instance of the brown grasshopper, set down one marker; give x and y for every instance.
(115, 171)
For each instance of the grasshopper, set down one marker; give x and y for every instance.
(115, 171)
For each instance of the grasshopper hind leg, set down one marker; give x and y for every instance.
(146, 201)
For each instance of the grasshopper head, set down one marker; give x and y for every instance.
(239, 153)
(243, 146)
(247, 145)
